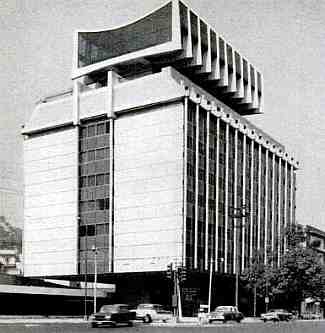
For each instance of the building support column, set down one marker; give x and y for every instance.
(111, 80)
(279, 236)
(273, 204)
(266, 211)
(285, 204)
(291, 195)
(217, 259)
(185, 115)
(259, 206)
(251, 203)
(243, 230)
(76, 123)
(196, 229)
(226, 199)
(207, 191)
(237, 223)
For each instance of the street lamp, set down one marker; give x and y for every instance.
(95, 250)
(238, 213)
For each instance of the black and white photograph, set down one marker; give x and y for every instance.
(162, 166)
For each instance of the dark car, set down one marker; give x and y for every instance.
(112, 315)
(277, 315)
(224, 314)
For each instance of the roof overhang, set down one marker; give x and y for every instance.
(174, 35)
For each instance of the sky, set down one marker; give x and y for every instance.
(285, 40)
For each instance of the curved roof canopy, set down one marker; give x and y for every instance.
(174, 35)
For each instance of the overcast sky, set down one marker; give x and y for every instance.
(284, 39)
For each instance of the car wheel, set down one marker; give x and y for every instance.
(147, 319)
(130, 323)
(264, 320)
(93, 325)
(238, 321)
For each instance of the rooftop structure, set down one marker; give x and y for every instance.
(174, 35)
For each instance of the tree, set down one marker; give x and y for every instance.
(300, 275)
(255, 278)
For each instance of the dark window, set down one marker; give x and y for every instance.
(100, 204)
(91, 180)
(99, 180)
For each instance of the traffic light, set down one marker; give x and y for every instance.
(182, 274)
(169, 272)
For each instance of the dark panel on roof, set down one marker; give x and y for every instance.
(152, 30)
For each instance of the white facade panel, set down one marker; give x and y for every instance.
(50, 228)
(148, 157)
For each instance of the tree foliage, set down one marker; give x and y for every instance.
(300, 275)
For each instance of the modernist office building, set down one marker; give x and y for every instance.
(150, 158)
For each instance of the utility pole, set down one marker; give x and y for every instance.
(210, 286)
(94, 249)
(238, 213)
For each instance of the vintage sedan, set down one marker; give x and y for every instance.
(112, 315)
(277, 315)
(148, 312)
(225, 313)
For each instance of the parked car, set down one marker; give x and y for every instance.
(277, 315)
(225, 313)
(112, 315)
(152, 312)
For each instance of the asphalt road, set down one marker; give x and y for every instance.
(291, 327)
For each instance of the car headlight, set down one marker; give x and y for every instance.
(107, 317)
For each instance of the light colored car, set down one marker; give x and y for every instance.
(277, 315)
(148, 312)
(112, 315)
(225, 313)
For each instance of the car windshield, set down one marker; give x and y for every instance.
(222, 308)
(145, 306)
(113, 307)
(108, 308)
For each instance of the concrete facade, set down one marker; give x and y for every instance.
(50, 228)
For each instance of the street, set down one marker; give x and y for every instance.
(257, 327)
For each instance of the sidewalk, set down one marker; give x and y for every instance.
(34, 319)
(185, 321)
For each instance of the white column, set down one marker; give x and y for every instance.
(279, 211)
(217, 194)
(273, 196)
(273, 203)
(244, 203)
(237, 223)
(76, 102)
(196, 185)
(266, 221)
(226, 197)
(259, 197)
(251, 201)
(291, 195)
(285, 203)
(185, 115)
(207, 192)
(111, 195)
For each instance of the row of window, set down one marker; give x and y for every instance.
(91, 205)
(94, 129)
(93, 155)
(94, 180)
(93, 229)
